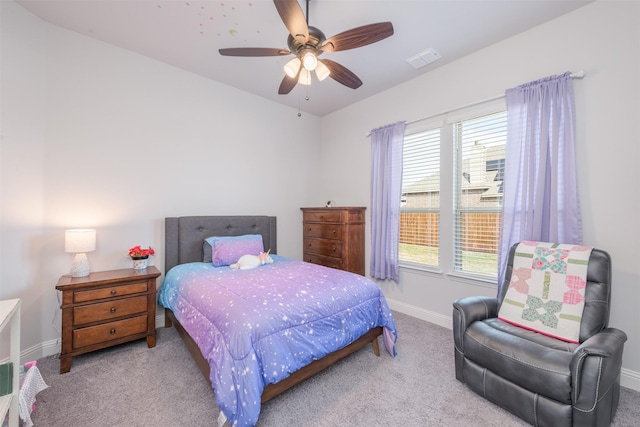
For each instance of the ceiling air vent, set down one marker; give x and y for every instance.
(423, 58)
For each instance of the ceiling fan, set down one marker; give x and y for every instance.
(307, 43)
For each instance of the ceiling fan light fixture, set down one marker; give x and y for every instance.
(309, 61)
(307, 43)
(292, 67)
(305, 77)
(322, 71)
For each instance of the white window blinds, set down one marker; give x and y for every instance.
(420, 203)
(479, 155)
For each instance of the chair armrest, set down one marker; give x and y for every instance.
(468, 310)
(601, 354)
(465, 312)
(471, 309)
(605, 343)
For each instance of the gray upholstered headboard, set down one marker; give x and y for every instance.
(184, 236)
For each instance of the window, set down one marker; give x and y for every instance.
(458, 167)
(420, 204)
(479, 154)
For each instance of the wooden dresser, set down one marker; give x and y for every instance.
(334, 237)
(106, 308)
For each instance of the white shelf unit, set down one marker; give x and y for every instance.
(10, 314)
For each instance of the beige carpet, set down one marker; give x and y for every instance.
(131, 385)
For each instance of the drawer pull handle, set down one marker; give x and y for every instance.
(113, 291)
(112, 331)
(113, 309)
(333, 249)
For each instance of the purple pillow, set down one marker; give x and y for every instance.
(226, 250)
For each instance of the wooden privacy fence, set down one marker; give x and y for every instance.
(480, 230)
(420, 228)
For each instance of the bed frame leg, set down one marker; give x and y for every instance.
(376, 347)
(167, 320)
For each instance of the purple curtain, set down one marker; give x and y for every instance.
(540, 185)
(386, 188)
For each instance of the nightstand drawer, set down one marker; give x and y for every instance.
(109, 310)
(331, 248)
(324, 216)
(323, 260)
(324, 231)
(110, 292)
(109, 331)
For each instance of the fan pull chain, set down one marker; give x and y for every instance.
(306, 98)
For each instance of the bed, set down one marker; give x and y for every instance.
(259, 332)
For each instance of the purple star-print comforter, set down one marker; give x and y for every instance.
(258, 326)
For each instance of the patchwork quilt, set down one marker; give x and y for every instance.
(547, 289)
(258, 326)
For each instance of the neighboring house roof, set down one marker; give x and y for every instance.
(493, 189)
(428, 184)
(488, 182)
(431, 184)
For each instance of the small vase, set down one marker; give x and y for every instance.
(139, 263)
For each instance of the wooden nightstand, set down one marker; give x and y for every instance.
(106, 308)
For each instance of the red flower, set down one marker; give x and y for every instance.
(138, 252)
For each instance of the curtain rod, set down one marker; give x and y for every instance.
(576, 75)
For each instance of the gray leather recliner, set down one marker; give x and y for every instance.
(543, 380)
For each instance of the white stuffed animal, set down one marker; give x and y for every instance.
(247, 262)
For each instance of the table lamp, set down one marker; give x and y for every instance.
(79, 241)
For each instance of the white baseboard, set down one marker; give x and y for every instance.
(421, 313)
(52, 347)
(45, 349)
(160, 320)
(628, 378)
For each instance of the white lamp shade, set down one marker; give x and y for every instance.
(322, 71)
(80, 240)
(292, 67)
(309, 61)
(305, 77)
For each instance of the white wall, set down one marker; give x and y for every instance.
(22, 168)
(96, 136)
(603, 39)
(82, 119)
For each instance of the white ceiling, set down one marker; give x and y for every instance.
(188, 34)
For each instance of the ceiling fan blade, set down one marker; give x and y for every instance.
(288, 83)
(291, 14)
(341, 74)
(253, 51)
(357, 37)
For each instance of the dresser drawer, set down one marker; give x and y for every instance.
(323, 260)
(324, 216)
(109, 310)
(99, 334)
(323, 231)
(331, 248)
(109, 292)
